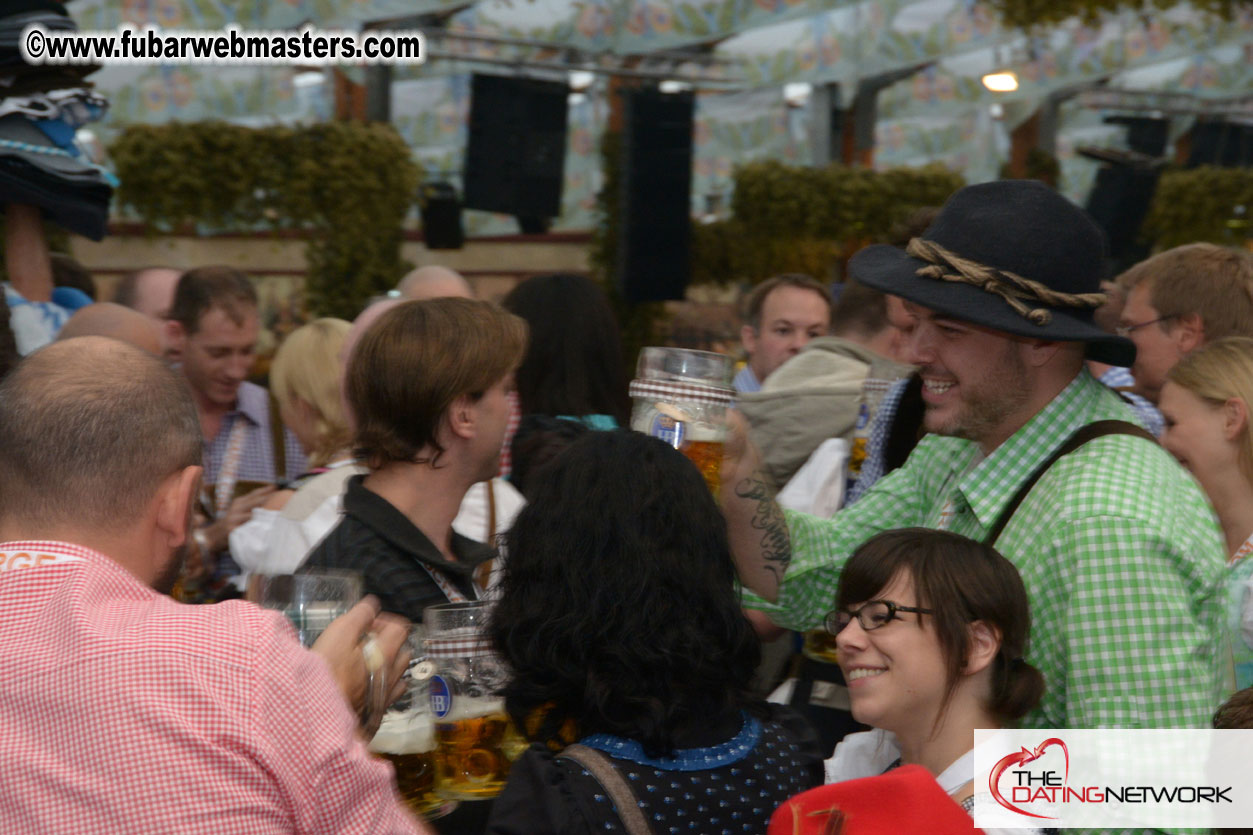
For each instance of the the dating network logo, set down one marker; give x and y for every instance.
(1024, 785)
(1113, 778)
(1048, 782)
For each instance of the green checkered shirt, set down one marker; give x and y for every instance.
(1118, 548)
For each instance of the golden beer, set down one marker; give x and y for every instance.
(820, 646)
(707, 456)
(415, 780)
(472, 759)
(407, 741)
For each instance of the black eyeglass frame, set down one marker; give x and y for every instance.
(1126, 330)
(831, 622)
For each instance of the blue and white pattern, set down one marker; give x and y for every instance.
(686, 759)
(1120, 379)
(746, 381)
(748, 777)
(34, 324)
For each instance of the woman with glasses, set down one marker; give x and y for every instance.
(1206, 402)
(931, 629)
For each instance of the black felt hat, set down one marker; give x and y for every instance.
(1011, 255)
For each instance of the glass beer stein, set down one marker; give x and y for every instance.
(406, 739)
(310, 600)
(474, 739)
(681, 396)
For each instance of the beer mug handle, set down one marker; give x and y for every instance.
(377, 686)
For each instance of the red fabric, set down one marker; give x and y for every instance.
(124, 711)
(904, 801)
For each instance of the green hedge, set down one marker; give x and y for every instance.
(1201, 204)
(800, 219)
(1030, 13)
(347, 185)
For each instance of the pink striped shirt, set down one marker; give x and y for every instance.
(124, 711)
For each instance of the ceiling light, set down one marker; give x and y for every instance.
(580, 80)
(797, 93)
(308, 78)
(1001, 82)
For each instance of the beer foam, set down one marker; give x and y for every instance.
(468, 708)
(702, 431)
(404, 733)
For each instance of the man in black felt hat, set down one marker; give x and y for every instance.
(1117, 547)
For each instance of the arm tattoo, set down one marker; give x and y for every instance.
(776, 546)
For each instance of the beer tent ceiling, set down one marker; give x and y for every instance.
(941, 113)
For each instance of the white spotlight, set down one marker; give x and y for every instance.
(797, 93)
(1001, 82)
(580, 80)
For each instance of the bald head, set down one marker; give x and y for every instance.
(360, 325)
(115, 322)
(433, 282)
(93, 426)
(149, 291)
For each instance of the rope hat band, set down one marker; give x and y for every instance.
(1021, 294)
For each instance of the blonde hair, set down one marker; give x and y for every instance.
(1217, 373)
(307, 367)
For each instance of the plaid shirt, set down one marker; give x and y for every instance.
(257, 461)
(1117, 546)
(746, 381)
(124, 711)
(875, 463)
(1120, 378)
(511, 429)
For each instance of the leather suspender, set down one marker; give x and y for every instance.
(277, 441)
(618, 789)
(1078, 439)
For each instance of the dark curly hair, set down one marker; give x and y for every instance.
(618, 608)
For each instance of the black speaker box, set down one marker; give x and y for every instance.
(1118, 202)
(516, 153)
(1144, 135)
(656, 192)
(1224, 144)
(441, 216)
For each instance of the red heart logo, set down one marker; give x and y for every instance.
(1023, 757)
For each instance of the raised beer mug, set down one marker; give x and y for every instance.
(310, 600)
(474, 740)
(681, 397)
(406, 739)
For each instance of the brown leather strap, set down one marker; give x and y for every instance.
(277, 441)
(615, 786)
(1081, 436)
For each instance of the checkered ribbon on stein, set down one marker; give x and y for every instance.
(677, 392)
(459, 643)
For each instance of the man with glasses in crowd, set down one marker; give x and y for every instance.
(1181, 300)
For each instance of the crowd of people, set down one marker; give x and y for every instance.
(1012, 491)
